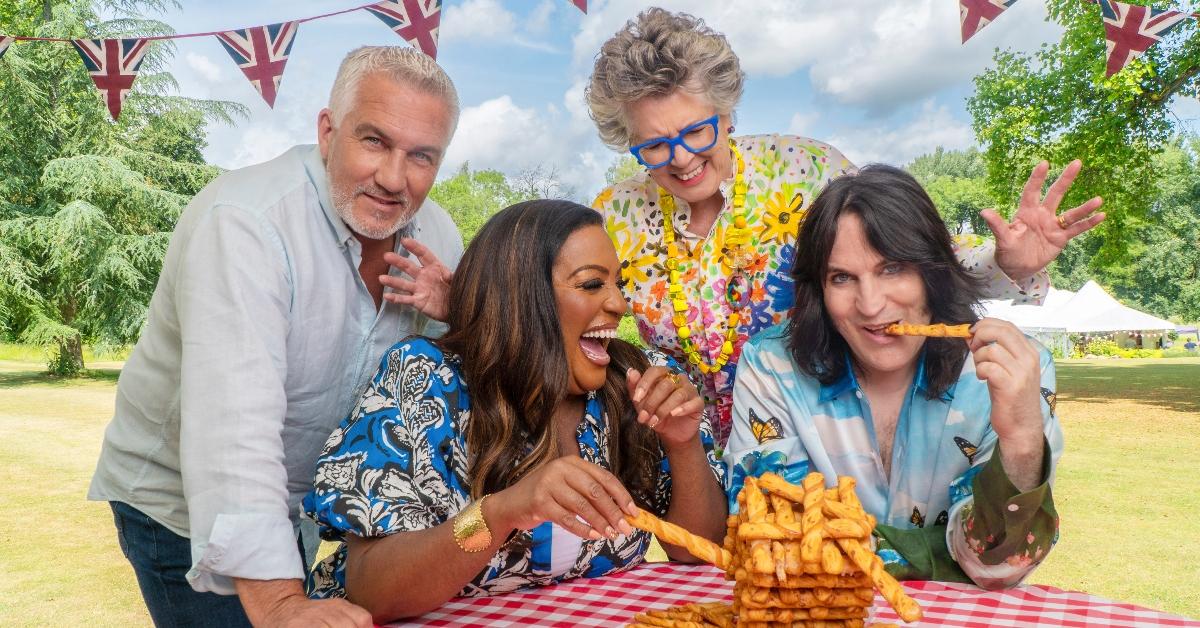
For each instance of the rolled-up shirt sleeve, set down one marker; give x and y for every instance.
(234, 297)
(978, 255)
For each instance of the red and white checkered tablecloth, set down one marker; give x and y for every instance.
(613, 600)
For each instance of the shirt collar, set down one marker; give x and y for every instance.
(315, 165)
(848, 382)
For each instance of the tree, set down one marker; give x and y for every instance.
(1058, 105)
(1164, 275)
(622, 168)
(957, 182)
(473, 196)
(87, 205)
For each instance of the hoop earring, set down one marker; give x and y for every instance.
(730, 129)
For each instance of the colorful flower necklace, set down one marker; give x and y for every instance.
(735, 247)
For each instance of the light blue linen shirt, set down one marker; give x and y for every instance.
(259, 337)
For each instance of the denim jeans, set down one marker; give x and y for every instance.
(161, 559)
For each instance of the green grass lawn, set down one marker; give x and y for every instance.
(1128, 491)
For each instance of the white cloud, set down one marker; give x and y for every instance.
(476, 20)
(538, 21)
(500, 135)
(803, 122)
(205, 67)
(486, 21)
(879, 55)
(260, 143)
(876, 141)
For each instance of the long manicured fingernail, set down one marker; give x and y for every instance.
(638, 394)
(625, 528)
(632, 509)
(677, 411)
(610, 533)
(594, 535)
(642, 416)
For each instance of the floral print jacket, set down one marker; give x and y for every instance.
(400, 463)
(783, 173)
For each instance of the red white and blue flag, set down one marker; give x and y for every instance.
(415, 20)
(1130, 30)
(5, 42)
(113, 64)
(262, 52)
(973, 15)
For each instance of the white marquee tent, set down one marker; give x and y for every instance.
(1091, 311)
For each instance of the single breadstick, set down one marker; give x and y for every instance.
(835, 509)
(772, 531)
(672, 534)
(870, 564)
(936, 330)
(776, 485)
(756, 503)
(812, 519)
(783, 510)
(846, 528)
(847, 496)
(831, 558)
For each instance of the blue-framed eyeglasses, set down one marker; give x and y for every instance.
(695, 138)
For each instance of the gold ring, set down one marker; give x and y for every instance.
(1062, 223)
(674, 377)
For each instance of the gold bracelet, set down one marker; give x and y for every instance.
(471, 530)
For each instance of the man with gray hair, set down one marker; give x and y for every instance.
(272, 309)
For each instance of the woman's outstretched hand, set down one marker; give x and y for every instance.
(579, 496)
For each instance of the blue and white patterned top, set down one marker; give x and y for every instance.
(399, 463)
(940, 445)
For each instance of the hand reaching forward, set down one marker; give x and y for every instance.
(667, 403)
(1038, 233)
(429, 289)
(581, 497)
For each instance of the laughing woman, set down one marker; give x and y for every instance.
(505, 454)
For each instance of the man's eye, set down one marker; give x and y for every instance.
(893, 268)
(839, 278)
(372, 140)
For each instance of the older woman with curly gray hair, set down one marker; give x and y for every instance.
(706, 234)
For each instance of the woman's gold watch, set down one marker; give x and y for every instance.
(470, 529)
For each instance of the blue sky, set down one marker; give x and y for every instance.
(881, 80)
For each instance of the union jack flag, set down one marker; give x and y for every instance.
(262, 52)
(582, 4)
(5, 42)
(415, 20)
(973, 15)
(1130, 30)
(113, 64)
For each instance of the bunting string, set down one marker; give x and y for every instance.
(1129, 29)
(260, 52)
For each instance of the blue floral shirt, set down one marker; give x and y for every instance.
(399, 463)
(947, 495)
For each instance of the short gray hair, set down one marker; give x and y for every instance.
(655, 54)
(407, 66)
